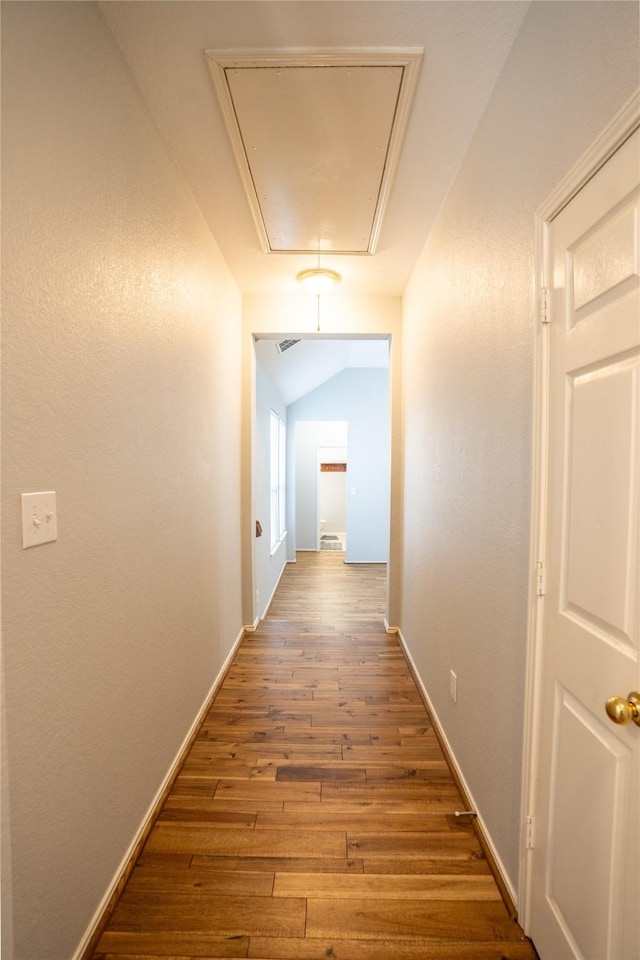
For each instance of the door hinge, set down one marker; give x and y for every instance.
(541, 578)
(529, 833)
(544, 305)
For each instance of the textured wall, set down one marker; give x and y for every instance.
(119, 396)
(468, 347)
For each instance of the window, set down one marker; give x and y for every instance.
(278, 463)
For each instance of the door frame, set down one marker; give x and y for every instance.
(352, 319)
(621, 127)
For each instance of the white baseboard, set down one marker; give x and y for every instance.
(395, 630)
(152, 810)
(377, 562)
(458, 771)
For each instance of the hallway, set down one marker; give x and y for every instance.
(314, 815)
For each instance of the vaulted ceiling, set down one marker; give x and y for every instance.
(306, 127)
(464, 46)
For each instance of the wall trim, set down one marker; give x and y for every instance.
(620, 128)
(252, 627)
(380, 563)
(481, 830)
(394, 630)
(94, 931)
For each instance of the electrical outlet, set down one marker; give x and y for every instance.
(453, 686)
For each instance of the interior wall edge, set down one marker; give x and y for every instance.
(498, 868)
(89, 941)
(470, 314)
(115, 298)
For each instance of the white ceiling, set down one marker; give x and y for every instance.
(301, 125)
(314, 360)
(464, 43)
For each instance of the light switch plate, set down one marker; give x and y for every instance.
(39, 518)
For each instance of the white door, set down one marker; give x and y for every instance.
(585, 899)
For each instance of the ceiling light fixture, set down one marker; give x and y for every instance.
(318, 280)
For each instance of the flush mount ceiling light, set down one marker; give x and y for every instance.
(318, 280)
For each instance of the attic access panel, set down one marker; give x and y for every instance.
(317, 138)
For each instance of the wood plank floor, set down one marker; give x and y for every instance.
(313, 818)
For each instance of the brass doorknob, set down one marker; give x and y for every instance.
(622, 711)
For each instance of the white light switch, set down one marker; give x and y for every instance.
(39, 518)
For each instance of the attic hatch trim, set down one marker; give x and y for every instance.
(408, 58)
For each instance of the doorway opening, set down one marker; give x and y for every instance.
(342, 381)
(314, 389)
(583, 633)
(332, 498)
(321, 514)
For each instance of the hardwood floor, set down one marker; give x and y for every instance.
(314, 815)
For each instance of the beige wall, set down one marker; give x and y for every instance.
(467, 380)
(119, 395)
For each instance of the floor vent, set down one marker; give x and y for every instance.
(283, 345)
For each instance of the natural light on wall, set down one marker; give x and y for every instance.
(277, 463)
